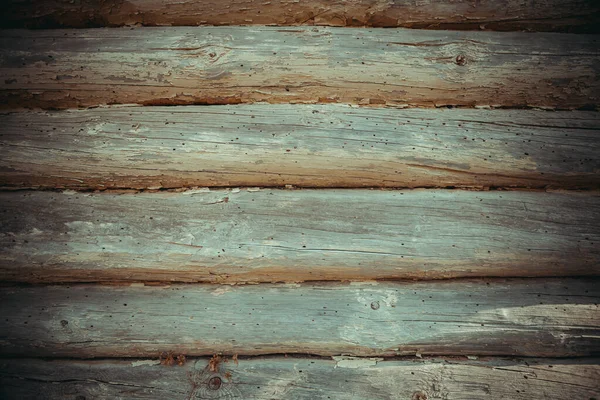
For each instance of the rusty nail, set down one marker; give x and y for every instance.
(375, 305)
(214, 383)
(461, 59)
(212, 54)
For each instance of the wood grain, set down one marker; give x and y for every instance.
(233, 236)
(230, 65)
(546, 318)
(303, 378)
(550, 15)
(301, 145)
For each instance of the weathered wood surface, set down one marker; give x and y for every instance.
(302, 378)
(300, 145)
(571, 15)
(226, 65)
(546, 318)
(233, 236)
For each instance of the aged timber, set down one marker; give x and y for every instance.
(345, 378)
(544, 317)
(301, 145)
(230, 65)
(545, 15)
(233, 236)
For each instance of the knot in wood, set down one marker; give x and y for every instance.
(419, 396)
(461, 59)
(214, 383)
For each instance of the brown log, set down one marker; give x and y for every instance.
(540, 15)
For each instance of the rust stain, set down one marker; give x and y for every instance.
(169, 358)
(215, 362)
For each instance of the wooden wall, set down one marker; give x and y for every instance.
(282, 200)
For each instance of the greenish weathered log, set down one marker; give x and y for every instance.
(252, 235)
(570, 15)
(230, 65)
(542, 318)
(346, 378)
(301, 145)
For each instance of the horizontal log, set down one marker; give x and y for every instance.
(299, 145)
(545, 318)
(233, 236)
(551, 15)
(228, 65)
(302, 378)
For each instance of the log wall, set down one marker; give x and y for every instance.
(282, 200)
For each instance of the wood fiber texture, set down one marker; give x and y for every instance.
(543, 318)
(345, 378)
(543, 15)
(320, 146)
(239, 236)
(103, 287)
(231, 65)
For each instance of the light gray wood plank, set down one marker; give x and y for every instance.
(545, 318)
(230, 65)
(571, 15)
(237, 236)
(303, 378)
(300, 145)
